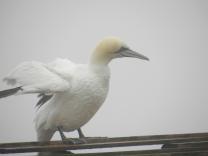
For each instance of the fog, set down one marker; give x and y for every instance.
(166, 95)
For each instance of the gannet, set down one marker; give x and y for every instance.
(70, 94)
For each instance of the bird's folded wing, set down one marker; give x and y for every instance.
(36, 77)
(62, 67)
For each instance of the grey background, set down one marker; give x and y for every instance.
(163, 96)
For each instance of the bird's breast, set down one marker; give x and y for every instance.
(77, 106)
(74, 108)
(90, 91)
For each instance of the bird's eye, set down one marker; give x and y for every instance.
(122, 49)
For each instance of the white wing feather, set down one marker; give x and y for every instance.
(62, 67)
(36, 77)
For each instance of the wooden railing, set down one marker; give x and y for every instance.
(195, 144)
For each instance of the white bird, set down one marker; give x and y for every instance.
(70, 94)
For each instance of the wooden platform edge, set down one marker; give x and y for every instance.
(104, 142)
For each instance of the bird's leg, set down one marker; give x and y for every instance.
(82, 138)
(85, 139)
(81, 135)
(64, 138)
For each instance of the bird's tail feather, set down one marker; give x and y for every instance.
(9, 92)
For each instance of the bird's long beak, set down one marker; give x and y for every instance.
(131, 53)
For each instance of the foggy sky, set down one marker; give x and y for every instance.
(166, 95)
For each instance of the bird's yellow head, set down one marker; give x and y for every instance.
(110, 48)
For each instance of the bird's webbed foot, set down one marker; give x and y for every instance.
(65, 140)
(80, 141)
(73, 141)
(82, 137)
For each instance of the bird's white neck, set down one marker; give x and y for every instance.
(100, 57)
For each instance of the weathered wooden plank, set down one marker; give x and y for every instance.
(156, 152)
(186, 145)
(103, 143)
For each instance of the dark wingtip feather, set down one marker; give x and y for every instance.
(9, 92)
(43, 99)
